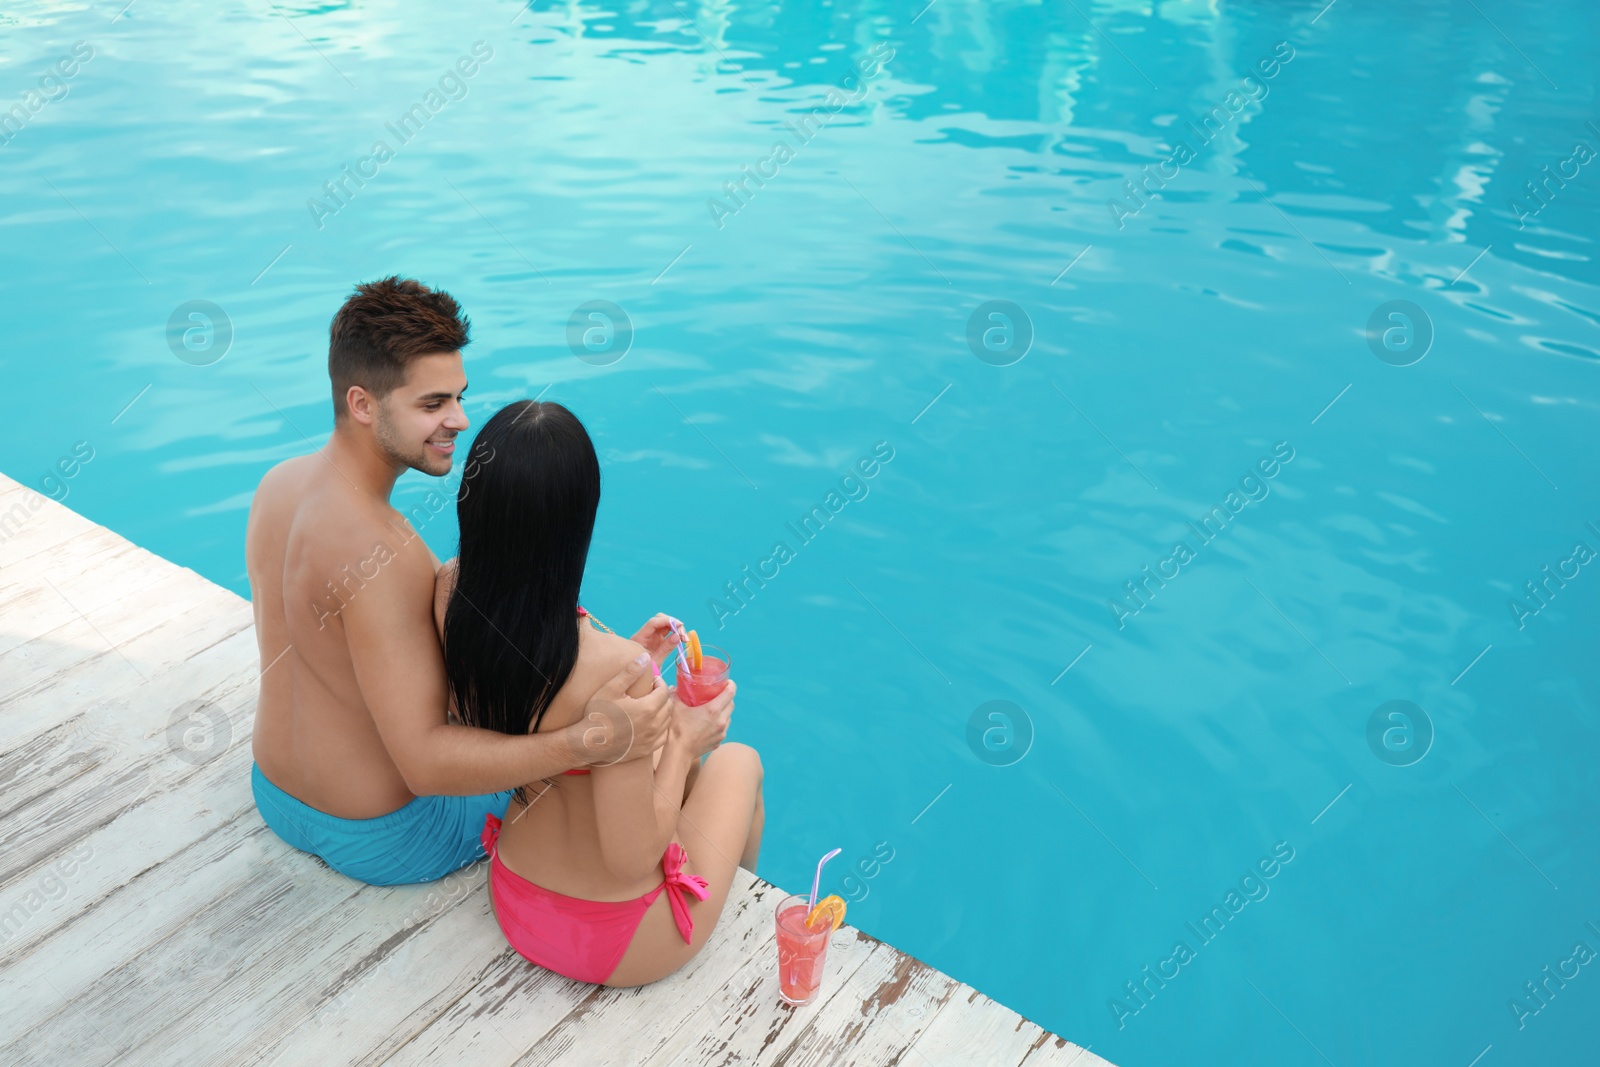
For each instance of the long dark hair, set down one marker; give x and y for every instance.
(529, 492)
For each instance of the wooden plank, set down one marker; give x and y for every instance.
(379, 1002)
(28, 533)
(37, 766)
(875, 1016)
(248, 939)
(107, 759)
(512, 1006)
(142, 877)
(70, 558)
(89, 960)
(109, 736)
(100, 567)
(180, 659)
(113, 584)
(643, 1018)
(54, 656)
(102, 836)
(92, 567)
(332, 964)
(492, 1024)
(116, 731)
(971, 1028)
(745, 1020)
(1053, 1051)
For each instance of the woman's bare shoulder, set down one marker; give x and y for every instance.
(605, 653)
(600, 657)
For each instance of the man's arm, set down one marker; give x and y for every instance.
(400, 670)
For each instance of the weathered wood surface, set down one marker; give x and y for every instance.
(148, 916)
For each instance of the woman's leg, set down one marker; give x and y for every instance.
(689, 779)
(752, 845)
(719, 827)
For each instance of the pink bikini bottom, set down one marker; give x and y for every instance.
(582, 939)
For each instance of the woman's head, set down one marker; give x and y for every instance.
(529, 492)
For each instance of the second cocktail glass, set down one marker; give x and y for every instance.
(802, 950)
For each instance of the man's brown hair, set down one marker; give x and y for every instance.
(383, 327)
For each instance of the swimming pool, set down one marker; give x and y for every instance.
(1180, 604)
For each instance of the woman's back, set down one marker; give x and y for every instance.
(550, 834)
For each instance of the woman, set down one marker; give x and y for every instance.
(615, 876)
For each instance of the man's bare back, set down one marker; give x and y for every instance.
(314, 547)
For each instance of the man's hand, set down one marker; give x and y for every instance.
(658, 637)
(702, 729)
(616, 726)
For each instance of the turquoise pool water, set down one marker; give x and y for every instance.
(1217, 339)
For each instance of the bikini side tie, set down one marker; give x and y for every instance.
(677, 884)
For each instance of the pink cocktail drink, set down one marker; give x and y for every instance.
(802, 951)
(696, 687)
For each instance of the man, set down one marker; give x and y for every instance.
(356, 759)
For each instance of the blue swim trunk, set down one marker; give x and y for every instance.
(421, 842)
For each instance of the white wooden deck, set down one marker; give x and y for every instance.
(147, 915)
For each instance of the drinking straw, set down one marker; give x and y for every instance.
(683, 636)
(816, 882)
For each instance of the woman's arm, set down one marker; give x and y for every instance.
(637, 806)
(631, 845)
(637, 803)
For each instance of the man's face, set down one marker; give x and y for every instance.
(416, 425)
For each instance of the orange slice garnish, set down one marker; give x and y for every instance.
(831, 908)
(695, 659)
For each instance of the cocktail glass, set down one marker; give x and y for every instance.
(696, 687)
(801, 951)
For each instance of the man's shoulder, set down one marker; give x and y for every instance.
(363, 539)
(277, 489)
(286, 478)
(336, 537)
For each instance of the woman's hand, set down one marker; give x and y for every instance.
(702, 728)
(658, 637)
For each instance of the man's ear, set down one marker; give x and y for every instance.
(362, 406)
